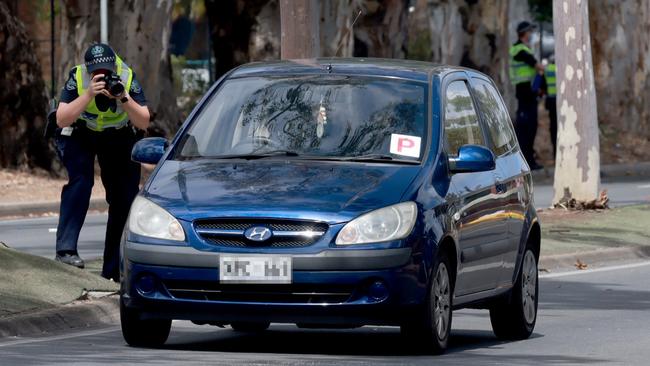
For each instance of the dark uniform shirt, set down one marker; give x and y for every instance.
(524, 91)
(69, 91)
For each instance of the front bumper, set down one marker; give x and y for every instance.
(331, 287)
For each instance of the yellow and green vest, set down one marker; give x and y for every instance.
(94, 118)
(520, 72)
(549, 74)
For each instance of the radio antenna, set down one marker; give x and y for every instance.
(329, 66)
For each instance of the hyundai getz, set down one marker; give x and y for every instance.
(335, 193)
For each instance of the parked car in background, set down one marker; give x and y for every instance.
(335, 192)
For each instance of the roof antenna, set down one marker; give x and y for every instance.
(329, 67)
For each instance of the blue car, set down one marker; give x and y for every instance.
(335, 193)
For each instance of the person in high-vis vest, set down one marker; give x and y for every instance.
(551, 100)
(523, 68)
(94, 123)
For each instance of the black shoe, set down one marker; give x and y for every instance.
(71, 259)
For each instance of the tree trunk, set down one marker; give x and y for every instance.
(139, 32)
(475, 35)
(23, 100)
(79, 28)
(264, 41)
(382, 29)
(621, 54)
(231, 27)
(336, 30)
(577, 166)
(299, 37)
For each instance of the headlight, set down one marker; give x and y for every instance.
(148, 219)
(388, 223)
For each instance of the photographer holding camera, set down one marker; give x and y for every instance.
(101, 112)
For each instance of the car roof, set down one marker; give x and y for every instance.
(403, 69)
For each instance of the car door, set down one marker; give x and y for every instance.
(512, 188)
(477, 215)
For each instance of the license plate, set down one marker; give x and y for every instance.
(254, 269)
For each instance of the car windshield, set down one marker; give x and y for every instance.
(312, 117)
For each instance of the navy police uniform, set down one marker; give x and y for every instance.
(102, 131)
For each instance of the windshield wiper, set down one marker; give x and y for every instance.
(378, 158)
(260, 155)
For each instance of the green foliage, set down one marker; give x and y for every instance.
(188, 86)
(419, 47)
(542, 10)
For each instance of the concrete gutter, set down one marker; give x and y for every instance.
(37, 208)
(641, 169)
(77, 315)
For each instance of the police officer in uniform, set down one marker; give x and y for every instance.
(551, 100)
(94, 123)
(523, 67)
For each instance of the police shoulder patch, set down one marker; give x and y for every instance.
(71, 84)
(135, 87)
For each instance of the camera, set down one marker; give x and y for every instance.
(113, 84)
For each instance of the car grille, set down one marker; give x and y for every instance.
(286, 234)
(253, 293)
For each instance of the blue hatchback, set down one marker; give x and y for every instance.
(335, 193)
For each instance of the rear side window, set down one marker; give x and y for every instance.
(461, 120)
(496, 117)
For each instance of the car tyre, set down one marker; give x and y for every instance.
(514, 318)
(137, 332)
(431, 332)
(250, 327)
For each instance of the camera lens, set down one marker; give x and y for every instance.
(116, 88)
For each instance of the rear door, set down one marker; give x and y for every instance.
(511, 187)
(477, 214)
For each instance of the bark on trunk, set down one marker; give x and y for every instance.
(79, 28)
(577, 166)
(336, 31)
(139, 32)
(231, 27)
(382, 29)
(475, 35)
(300, 22)
(23, 100)
(621, 54)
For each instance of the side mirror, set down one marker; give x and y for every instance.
(472, 158)
(149, 150)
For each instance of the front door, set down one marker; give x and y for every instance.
(477, 215)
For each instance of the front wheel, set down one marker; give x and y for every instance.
(143, 333)
(514, 318)
(433, 329)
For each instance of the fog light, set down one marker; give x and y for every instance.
(378, 291)
(146, 284)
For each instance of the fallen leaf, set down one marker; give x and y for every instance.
(579, 265)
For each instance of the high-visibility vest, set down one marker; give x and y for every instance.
(95, 119)
(520, 72)
(549, 74)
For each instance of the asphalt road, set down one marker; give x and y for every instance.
(38, 236)
(589, 317)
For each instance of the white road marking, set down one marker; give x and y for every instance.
(51, 230)
(644, 186)
(595, 270)
(60, 337)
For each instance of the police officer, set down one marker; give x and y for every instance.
(523, 67)
(94, 123)
(550, 102)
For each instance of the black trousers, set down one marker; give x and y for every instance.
(526, 128)
(551, 106)
(120, 177)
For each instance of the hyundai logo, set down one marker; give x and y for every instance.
(258, 233)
